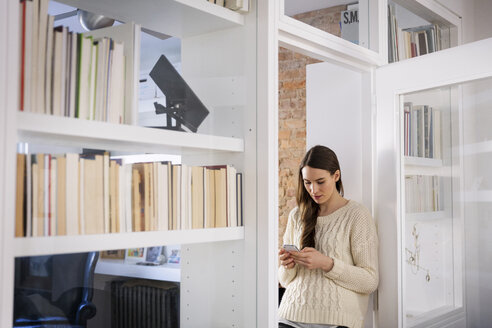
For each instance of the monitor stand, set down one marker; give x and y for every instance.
(170, 114)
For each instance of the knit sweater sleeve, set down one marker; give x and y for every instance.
(361, 277)
(285, 276)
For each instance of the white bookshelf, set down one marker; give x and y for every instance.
(165, 272)
(202, 27)
(56, 130)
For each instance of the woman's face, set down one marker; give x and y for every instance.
(319, 183)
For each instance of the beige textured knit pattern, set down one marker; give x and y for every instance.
(338, 297)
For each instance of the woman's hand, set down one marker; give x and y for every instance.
(313, 259)
(286, 259)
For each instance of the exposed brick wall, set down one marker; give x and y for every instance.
(292, 110)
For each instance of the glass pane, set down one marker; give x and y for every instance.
(477, 138)
(343, 18)
(138, 286)
(431, 269)
(411, 35)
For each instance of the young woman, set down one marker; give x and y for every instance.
(329, 280)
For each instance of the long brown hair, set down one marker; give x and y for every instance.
(318, 157)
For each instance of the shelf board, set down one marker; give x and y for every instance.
(165, 272)
(33, 246)
(65, 131)
(478, 148)
(420, 161)
(178, 18)
(425, 216)
(478, 196)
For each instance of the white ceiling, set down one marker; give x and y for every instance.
(293, 7)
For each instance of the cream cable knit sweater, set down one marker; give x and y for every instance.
(338, 297)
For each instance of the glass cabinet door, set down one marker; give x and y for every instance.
(431, 223)
(432, 194)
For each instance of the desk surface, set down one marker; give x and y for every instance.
(165, 272)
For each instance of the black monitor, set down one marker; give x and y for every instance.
(182, 103)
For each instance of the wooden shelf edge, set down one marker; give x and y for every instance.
(33, 246)
(69, 131)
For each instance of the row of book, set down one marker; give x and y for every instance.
(66, 73)
(422, 193)
(422, 131)
(73, 194)
(416, 41)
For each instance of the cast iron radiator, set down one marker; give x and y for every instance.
(141, 303)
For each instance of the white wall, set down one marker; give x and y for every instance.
(337, 104)
(333, 119)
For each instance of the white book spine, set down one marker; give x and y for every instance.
(72, 193)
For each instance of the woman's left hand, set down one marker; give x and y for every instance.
(312, 259)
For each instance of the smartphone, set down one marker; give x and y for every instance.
(291, 248)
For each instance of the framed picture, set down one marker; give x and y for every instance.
(135, 254)
(154, 256)
(174, 257)
(115, 254)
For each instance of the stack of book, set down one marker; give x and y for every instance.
(422, 131)
(68, 74)
(416, 41)
(422, 194)
(74, 194)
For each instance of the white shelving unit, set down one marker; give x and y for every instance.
(215, 262)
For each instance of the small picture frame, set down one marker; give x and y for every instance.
(175, 256)
(133, 255)
(155, 254)
(115, 254)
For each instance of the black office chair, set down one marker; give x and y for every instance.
(54, 290)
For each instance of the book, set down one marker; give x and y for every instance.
(41, 34)
(48, 78)
(231, 196)
(52, 213)
(108, 224)
(35, 191)
(220, 175)
(209, 198)
(83, 74)
(61, 196)
(136, 200)
(239, 195)
(163, 172)
(197, 196)
(176, 197)
(28, 192)
(19, 196)
(72, 188)
(40, 194)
